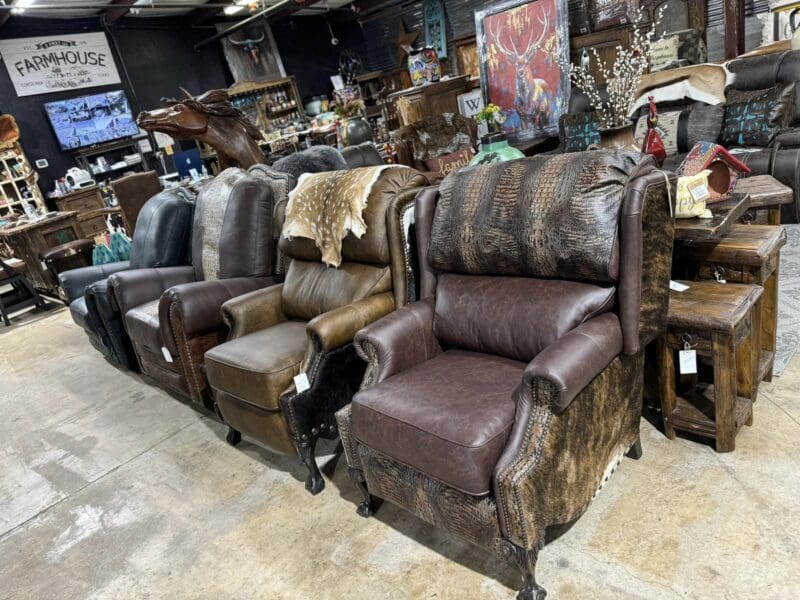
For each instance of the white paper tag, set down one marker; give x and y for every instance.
(44, 265)
(687, 360)
(166, 353)
(677, 287)
(301, 383)
(699, 192)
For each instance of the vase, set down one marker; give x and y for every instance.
(355, 130)
(424, 66)
(618, 138)
(495, 149)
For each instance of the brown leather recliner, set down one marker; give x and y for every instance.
(172, 315)
(306, 325)
(497, 405)
(132, 192)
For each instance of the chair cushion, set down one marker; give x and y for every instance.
(143, 326)
(259, 366)
(80, 314)
(448, 417)
(536, 312)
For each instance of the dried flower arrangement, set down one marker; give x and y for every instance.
(622, 77)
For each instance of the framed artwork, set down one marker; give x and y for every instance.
(517, 44)
(433, 16)
(466, 51)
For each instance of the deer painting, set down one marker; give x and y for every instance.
(209, 118)
(519, 42)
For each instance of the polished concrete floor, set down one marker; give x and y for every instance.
(110, 488)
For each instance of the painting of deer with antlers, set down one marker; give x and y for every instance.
(517, 41)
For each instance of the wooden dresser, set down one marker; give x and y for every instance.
(92, 212)
(430, 99)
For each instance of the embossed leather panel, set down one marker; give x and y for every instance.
(544, 216)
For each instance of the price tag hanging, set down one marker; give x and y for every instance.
(687, 360)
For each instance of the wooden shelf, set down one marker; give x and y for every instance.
(12, 189)
(694, 411)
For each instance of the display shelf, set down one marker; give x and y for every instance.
(270, 105)
(18, 190)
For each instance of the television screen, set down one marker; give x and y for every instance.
(89, 120)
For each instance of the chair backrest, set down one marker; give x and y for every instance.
(163, 230)
(436, 136)
(540, 232)
(362, 155)
(132, 191)
(375, 263)
(232, 233)
(764, 71)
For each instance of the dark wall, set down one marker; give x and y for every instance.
(158, 57)
(304, 44)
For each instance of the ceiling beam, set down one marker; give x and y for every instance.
(117, 9)
(4, 15)
(203, 15)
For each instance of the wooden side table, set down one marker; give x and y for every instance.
(748, 254)
(767, 195)
(722, 322)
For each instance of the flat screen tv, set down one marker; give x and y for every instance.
(90, 120)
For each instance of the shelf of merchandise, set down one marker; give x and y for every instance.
(17, 179)
(271, 104)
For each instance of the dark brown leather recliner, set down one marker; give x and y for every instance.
(497, 405)
(306, 325)
(172, 315)
(132, 191)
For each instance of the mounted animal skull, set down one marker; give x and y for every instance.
(250, 47)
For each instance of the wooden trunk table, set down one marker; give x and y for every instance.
(28, 241)
(767, 195)
(723, 322)
(725, 215)
(748, 254)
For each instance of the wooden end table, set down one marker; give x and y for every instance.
(748, 254)
(724, 215)
(723, 322)
(767, 195)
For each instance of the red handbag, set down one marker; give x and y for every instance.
(653, 144)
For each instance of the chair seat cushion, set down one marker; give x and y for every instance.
(79, 312)
(143, 326)
(259, 366)
(448, 417)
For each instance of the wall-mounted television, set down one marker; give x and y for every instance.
(89, 120)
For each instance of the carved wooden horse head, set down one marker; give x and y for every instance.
(212, 119)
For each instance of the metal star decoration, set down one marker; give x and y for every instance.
(405, 39)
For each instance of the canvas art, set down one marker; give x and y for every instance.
(517, 44)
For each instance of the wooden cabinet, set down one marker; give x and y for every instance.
(270, 105)
(605, 43)
(432, 99)
(89, 205)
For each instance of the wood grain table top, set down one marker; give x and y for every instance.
(764, 190)
(711, 306)
(743, 244)
(725, 215)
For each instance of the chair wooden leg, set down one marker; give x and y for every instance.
(233, 437)
(526, 562)
(4, 314)
(370, 504)
(315, 483)
(635, 451)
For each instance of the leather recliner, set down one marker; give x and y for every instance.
(362, 155)
(161, 239)
(497, 405)
(306, 325)
(172, 315)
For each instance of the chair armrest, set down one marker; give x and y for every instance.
(134, 288)
(75, 281)
(339, 326)
(788, 138)
(570, 429)
(398, 341)
(570, 364)
(190, 310)
(253, 311)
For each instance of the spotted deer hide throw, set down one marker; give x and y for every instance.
(326, 207)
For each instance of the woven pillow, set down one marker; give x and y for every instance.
(681, 130)
(578, 131)
(755, 117)
(450, 162)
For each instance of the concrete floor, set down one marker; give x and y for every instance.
(110, 488)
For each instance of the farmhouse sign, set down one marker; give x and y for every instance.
(43, 65)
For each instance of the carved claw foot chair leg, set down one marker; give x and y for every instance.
(526, 562)
(234, 437)
(635, 451)
(370, 504)
(315, 483)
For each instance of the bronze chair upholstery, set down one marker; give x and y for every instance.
(172, 315)
(496, 406)
(132, 191)
(306, 325)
